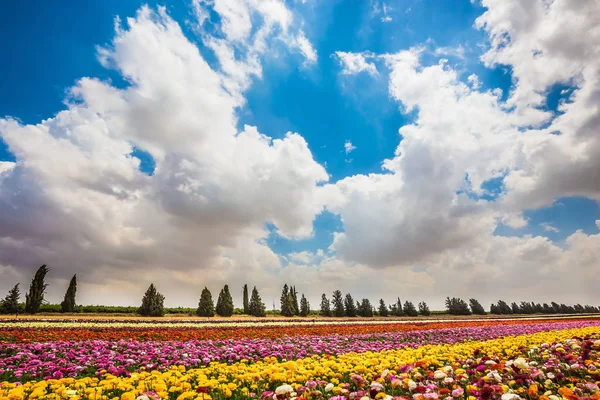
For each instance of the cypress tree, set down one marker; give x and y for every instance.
(383, 310)
(256, 307)
(68, 304)
(424, 309)
(246, 301)
(325, 306)
(304, 307)
(35, 297)
(206, 307)
(287, 307)
(476, 307)
(409, 309)
(365, 309)
(152, 303)
(10, 304)
(225, 303)
(399, 310)
(295, 305)
(350, 306)
(338, 304)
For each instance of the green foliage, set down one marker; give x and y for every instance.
(476, 307)
(397, 310)
(68, 304)
(409, 309)
(304, 307)
(457, 306)
(206, 307)
(294, 295)
(325, 306)
(10, 304)
(225, 303)
(365, 309)
(424, 309)
(256, 307)
(246, 300)
(350, 307)
(338, 304)
(152, 303)
(287, 302)
(383, 310)
(35, 297)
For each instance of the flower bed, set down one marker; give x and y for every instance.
(553, 365)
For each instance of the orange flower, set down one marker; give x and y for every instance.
(533, 391)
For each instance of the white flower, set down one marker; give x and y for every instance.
(329, 387)
(490, 362)
(284, 389)
(365, 398)
(142, 397)
(521, 363)
(447, 369)
(510, 396)
(448, 380)
(71, 392)
(550, 375)
(495, 376)
(553, 397)
(385, 373)
(439, 375)
(412, 385)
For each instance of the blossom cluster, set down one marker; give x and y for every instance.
(71, 359)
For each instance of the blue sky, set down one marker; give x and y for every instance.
(50, 48)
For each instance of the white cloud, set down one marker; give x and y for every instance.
(355, 63)
(385, 19)
(77, 201)
(549, 228)
(349, 147)
(458, 51)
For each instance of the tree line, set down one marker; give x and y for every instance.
(290, 304)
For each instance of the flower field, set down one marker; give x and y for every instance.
(463, 360)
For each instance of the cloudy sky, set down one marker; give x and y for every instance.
(412, 148)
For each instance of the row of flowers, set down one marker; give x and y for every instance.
(545, 365)
(61, 359)
(43, 332)
(87, 322)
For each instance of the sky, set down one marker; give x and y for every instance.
(411, 148)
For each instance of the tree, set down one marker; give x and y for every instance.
(424, 309)
(224, 303)
(304, 307)
(287, 302)
(206, 307)
(494, 309)
(246, 301)
(503, 307)
(325, 306)
(399, 310)
(457, 306)
(365, 309)
(295, 306)
(257, 307)
(35, 297)
(10, 304)
(152, 303)
(514, 307)
(349, 305)
(383, 310)
(476, 307)
(409, 309)
(68, 304)
(338, 304)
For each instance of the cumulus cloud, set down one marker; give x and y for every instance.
(549, 228)
(77, 201)
(355, 63)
